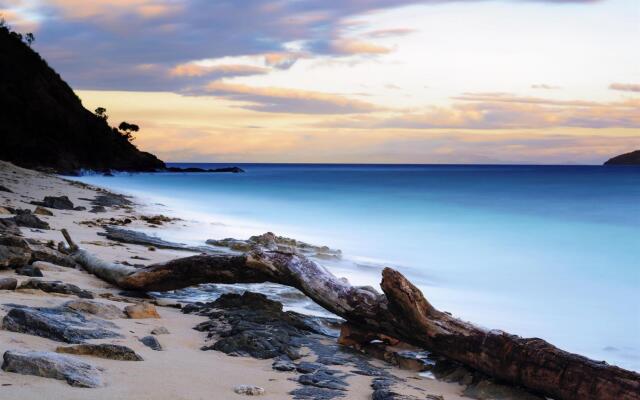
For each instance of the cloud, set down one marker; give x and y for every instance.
(544, 86)
(82, 9)
(280, 100)
(503, 111)
(354, 47)
(192, 69)
(625, 87)
(387, 33)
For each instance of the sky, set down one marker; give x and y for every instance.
(362, 81)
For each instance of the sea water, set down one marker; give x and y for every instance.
(542, 251)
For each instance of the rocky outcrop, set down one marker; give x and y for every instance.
(51, 365)
(109, 351)
(57, 203)
(14, 252)
(60, 324)
(28, 220)
(44, 124)
(632, 158)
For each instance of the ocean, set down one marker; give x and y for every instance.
(540, 251)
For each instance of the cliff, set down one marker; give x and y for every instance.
(44, 124)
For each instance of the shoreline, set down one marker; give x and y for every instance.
(181, 370)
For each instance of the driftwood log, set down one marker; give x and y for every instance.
(401, 312)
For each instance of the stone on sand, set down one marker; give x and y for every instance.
(141, 310)
(249, 390)
(106, 311)
(42, 211)
(8, 283)
(105, 350)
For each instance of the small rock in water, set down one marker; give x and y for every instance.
(109, 351)
(42, 211)
(151, 342)
(29, 270)
(51, 365)
(161, 330)
(142, 310)
(8, 283)
(249, 390)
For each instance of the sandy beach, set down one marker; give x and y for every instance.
(181, 370)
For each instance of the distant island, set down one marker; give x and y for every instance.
(632, 158)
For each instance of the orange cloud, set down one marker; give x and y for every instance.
(191, 70)
(281, 100)
(107, 8)
(354, 47)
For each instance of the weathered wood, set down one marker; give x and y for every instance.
(401, 312)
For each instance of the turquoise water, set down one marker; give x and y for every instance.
(545, 251)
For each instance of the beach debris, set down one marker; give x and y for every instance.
(102, 310)
(109, 351)
(55, 202)
(134, 237)
(157, 219)
(8, 283)
(42, 211)
(56, 287)
(58, 323)
(249, 390)
(141, 310)
(151, 342)
(52, 365)
(5, 189)
(14, 252)
(160, 330)
(47, 254)
(29, 270)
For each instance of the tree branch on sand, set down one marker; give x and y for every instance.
(402, 312)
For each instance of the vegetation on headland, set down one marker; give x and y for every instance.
(631, 158)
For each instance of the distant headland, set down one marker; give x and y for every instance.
(632, 158)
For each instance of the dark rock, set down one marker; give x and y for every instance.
(79, 208)
(8, 226)
(58, 203)
(8, 283)
(51, 365)
(325, 379)
(632, 158)
(109, 351)
(151, 342)
(283, 364)
(56, 287)
(110, 200)
(60, 324)
(29, 270)
(14, 252)
(30, 221)
(5, 189)
(98, 209)
(106, 311)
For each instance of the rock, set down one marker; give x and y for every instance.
(249, 390)
(14, 252)
(161, 330)
(42, 211)
(488, 390)
(156, 219)
(109, 351)
(98, 209)
(141, 310)
(53, 256)
(56, 287)
(325, 379)
(110, 200)
(47, 266)
(4, 211)
(30, 221)
(79, 208)
(151, 342)
(106, 311)
(5, 189)
(58, 203)
(29, 270)
(283, 364)
(8, 226)
(8, 283)
(51, 365)
(60, 324)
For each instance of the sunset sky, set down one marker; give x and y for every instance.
(401, 81)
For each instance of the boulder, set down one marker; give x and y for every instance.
(8, 226)
(60, 324)
(51, 365)
(98, 209)
(141, 310)
(14, 252)
(106, 311)
(151, 342)
(42, 211)
(249, 390)
(8, 283)
(58, 203)
(56, 287)
(29, 270)
(29, 220)
(109, 351)
(4, 211)
(161, 330)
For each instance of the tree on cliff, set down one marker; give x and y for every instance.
(128, 129)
